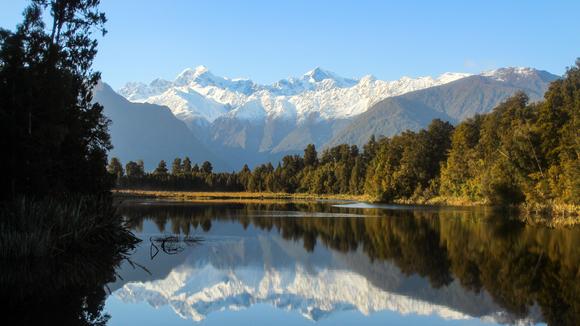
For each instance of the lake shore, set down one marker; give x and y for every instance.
(219, 195)
(551, 216)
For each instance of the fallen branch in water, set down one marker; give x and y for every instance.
(171, 244)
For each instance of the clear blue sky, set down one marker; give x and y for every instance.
(270, 40)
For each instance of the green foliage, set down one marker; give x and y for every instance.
(161, 169)
(459, 175)
(56, 139)
(115, 168)
(519, 152)
(58, 255)
(406, 165)
(206, 167)
(186, 166)
(134, 170)
(195, 168)
(310, 155)
(176, 167)
(49, 227)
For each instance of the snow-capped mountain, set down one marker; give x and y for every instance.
(454, 102)
(255, 123)
(504, 74)
(312, 295)
(197, 94)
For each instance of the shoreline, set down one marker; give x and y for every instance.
(551, 216)
(218, 195)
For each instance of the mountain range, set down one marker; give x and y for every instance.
(240, 121)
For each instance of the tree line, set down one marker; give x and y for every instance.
(519, 152)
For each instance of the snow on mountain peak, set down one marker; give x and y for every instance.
(196, 292)
(451, 76)
(201, 69)
(198, 94)
(318, 75)
(200, 75)
(503, 74)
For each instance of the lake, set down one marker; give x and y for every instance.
(336, 263)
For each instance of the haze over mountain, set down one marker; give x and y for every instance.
(148, 132)
(253, 123)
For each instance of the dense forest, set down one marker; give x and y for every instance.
(520, 152)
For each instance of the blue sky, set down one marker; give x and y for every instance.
(270, 40)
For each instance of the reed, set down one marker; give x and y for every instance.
(51, 227)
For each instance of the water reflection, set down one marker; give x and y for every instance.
(61, 290)
(319, 260)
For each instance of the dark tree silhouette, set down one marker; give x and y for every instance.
(54, 137)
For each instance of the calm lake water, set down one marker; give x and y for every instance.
(323, 263)
(342, 264)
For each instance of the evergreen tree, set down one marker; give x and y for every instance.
(310, 155)
(134, 170)
(161, 169)
(186, 167)
(370, 149)
(244, 176)
(195, 168)
(206, 167)
(115, 168)
(176, 167)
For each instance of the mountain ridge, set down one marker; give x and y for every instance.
(149, 132)
(453, 102)
(252, 123)
(318, 90)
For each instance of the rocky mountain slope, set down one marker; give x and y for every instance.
(452, 102)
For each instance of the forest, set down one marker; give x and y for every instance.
(521, 152)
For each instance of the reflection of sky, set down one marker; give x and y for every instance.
(262, 314)
(246, 253)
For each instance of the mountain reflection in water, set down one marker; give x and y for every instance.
(317, 260)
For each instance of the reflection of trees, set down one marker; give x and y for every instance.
(518, 265)
(531, 264)
(60, 291)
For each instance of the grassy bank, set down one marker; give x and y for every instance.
(549, 215)
(245, 196)
(69, 226)
(57, 257)
(552, 215)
